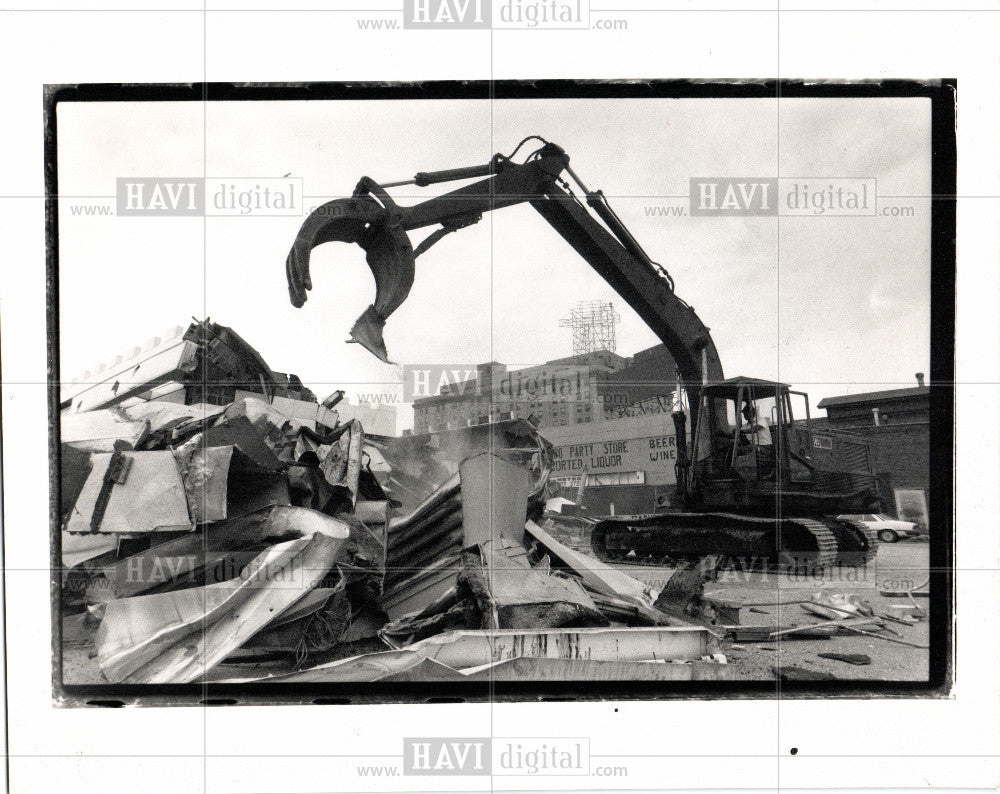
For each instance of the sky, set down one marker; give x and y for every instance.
(832, 305)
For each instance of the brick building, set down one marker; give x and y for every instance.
(897, 424)
(591, 387)
(644, 385)
(561, 392)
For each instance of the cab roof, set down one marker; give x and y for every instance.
(730, 387)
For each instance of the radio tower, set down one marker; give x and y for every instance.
(593, 324)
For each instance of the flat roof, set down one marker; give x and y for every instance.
(874, 396)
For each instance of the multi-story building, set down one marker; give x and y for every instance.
(561, 392)
(591, 387)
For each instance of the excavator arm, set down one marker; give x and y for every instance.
(372, 219)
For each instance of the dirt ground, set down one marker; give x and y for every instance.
(898, 566)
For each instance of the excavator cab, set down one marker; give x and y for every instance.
(750, 451)
(739, 430)
(740, 451)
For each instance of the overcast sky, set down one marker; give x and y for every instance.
(833, 305)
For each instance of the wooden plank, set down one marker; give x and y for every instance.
(596, 574)
(835, 624)
(767, 633)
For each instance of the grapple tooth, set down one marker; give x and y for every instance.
(367, 332)
(389, 254)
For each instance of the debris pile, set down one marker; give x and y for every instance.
(219, 523)
(830, 616)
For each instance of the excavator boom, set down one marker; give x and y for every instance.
(718, 471)
(372, 219)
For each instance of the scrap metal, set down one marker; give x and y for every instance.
(250, 529)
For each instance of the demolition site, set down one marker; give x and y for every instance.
(220, 522)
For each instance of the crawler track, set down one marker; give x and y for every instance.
(800, 544)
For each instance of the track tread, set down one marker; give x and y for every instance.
(870, 536)
(826, 542)
(826, 551)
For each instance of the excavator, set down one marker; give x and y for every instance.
(754, 481)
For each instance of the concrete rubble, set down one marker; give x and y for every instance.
(219, 523)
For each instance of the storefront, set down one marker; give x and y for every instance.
(629, 463)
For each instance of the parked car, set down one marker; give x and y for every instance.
(889, 530)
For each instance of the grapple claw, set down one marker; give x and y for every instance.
(389, 254)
